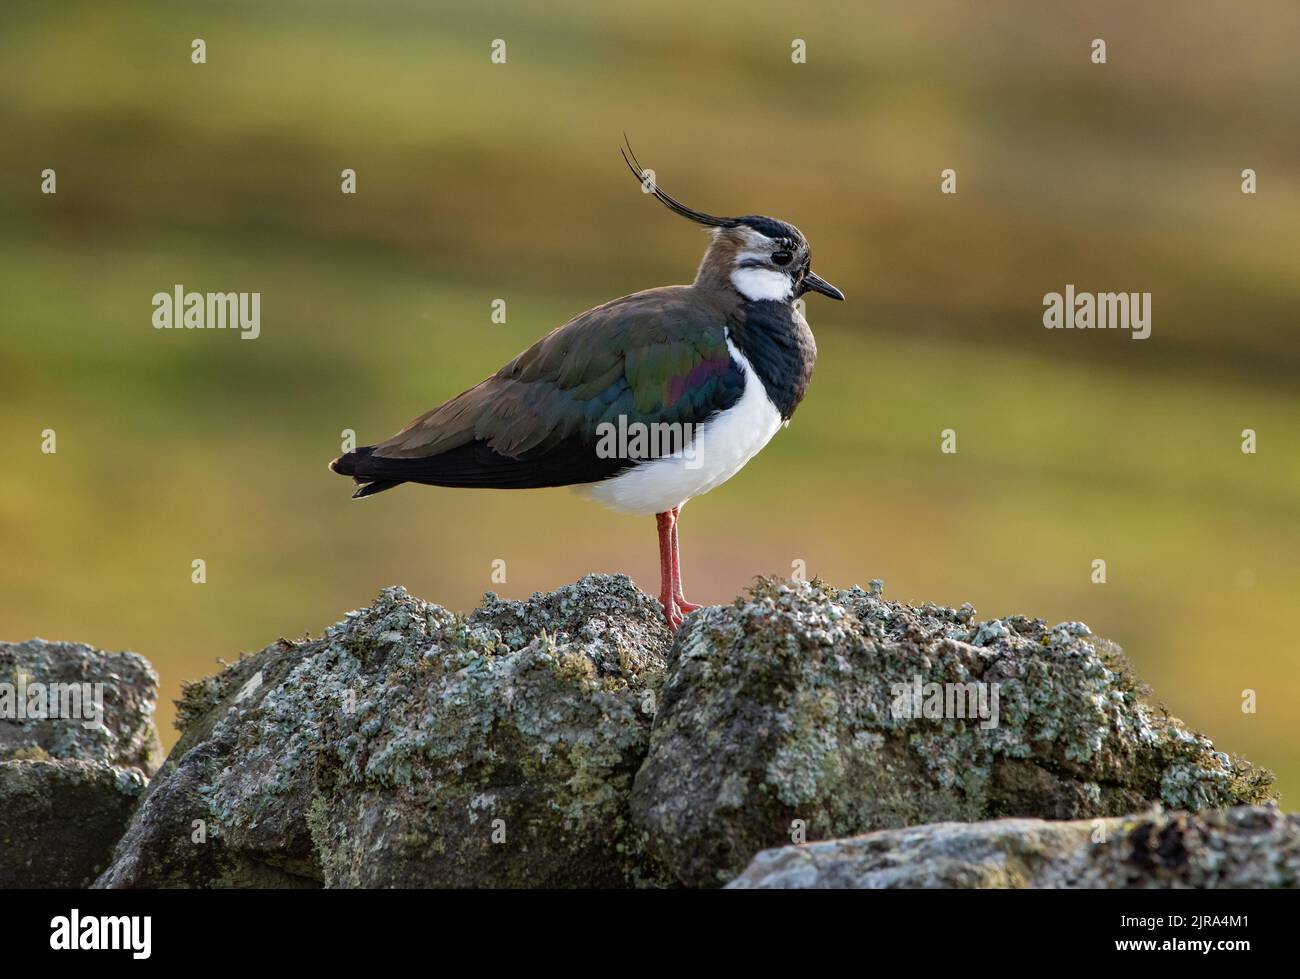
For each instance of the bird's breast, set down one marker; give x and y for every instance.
(719, 449)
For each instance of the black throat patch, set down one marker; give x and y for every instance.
(779, 347)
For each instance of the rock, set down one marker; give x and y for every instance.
(77, 742)
(59, 820)
(567, 741)
(1246, 846)
(788, 714)
(125, 736)
(412, 747)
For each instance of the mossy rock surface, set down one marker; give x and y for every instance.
(781, 721)
(568, 740)
(409, 746)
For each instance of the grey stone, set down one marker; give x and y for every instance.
(60, 819)
(1245, 846)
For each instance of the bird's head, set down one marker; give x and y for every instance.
(759, 257)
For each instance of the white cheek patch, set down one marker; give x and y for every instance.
(758, 284)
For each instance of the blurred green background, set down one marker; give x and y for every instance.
(479, 181)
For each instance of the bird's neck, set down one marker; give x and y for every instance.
(717, 263)
(776, 341)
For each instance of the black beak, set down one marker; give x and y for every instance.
(816, 283)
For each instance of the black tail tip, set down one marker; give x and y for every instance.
(370, 489)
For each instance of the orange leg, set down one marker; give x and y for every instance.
(667, 524)
(680, 599)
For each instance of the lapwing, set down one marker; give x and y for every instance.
(643, 403)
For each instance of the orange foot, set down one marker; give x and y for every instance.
(672, 611)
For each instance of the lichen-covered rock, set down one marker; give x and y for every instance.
(514, 747)
(51, 696)
(1246, 846)
(77, 741)
(412, 747)
(811, 713)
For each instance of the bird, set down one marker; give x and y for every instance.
(641, 403)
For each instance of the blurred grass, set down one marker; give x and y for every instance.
(480, 181)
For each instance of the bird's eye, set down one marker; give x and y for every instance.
(782, 258)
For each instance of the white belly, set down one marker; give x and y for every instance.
(721, 448)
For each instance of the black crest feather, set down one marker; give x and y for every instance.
(643, 178)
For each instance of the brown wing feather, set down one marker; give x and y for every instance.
(521, 407)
